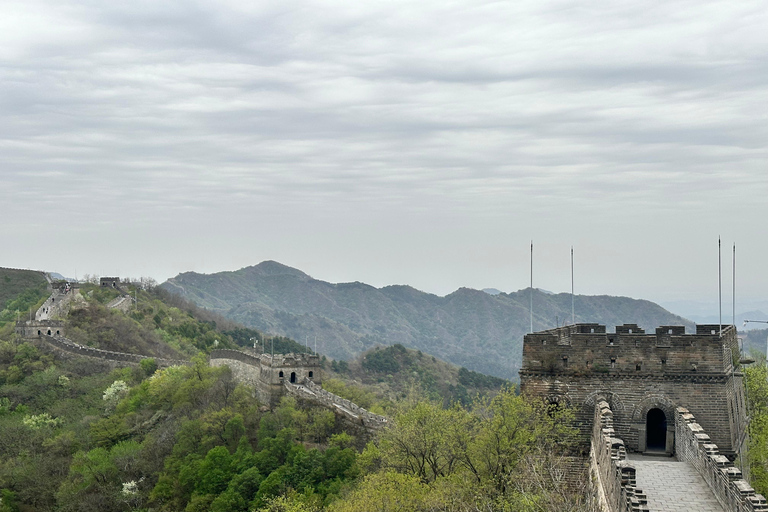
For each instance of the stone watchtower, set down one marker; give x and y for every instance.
(643, 377)
(268, 374)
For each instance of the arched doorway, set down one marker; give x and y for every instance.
(293, 377)
(656, 430)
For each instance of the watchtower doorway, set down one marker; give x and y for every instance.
(656, 430)
(293, 377)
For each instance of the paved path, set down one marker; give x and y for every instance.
(671, 485)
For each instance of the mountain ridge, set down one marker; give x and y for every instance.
(467, 327)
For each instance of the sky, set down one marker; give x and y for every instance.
(400, 142)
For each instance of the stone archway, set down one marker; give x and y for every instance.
(293, 377)
(663, 430)
(655, 430)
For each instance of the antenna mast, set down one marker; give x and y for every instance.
(734, 284)
(531, 294)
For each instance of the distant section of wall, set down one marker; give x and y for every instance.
(271, 377)
(62, 343)
(693, 445)
(613, 474)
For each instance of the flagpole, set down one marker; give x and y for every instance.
(573, 311)
(531, 293)
(720, 284)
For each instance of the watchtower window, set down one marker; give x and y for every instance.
(610, 341)
(638, 367)
(592, 331)
(663, 362)
(629, 331)
(293, 377)
(565, 361)
(613, 362)
(669, 332)
(280, 374)
(543, 342)
(311, 374)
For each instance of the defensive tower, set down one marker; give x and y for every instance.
(643, 377)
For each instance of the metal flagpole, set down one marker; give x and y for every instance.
(531, 294)
(720, 284)
(573, 314)
(734, 285)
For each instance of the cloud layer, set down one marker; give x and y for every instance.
(419, 142)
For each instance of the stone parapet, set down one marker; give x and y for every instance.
(236, 355)
(337, 403)
(67, 345)
(615, 474)
(693, 445)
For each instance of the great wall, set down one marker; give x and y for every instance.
(662, 416)
(270, 377)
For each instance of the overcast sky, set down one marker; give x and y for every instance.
(399, 142)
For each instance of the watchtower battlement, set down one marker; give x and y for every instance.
(39, 328)
(293, 368)
(588, 348)
(643, 377)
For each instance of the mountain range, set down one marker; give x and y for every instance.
(471, 328)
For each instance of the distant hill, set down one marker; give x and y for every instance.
(389, 373)
(19, 291)
(468, 327)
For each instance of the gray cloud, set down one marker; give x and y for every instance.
(387, 142)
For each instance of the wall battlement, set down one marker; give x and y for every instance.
(588, 348)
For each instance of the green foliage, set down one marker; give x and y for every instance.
(8, 501)
(757, 395)
(20, 291)
(149, 365)
(473, 379)
(339, 366)
(504, 454)
(385, 360)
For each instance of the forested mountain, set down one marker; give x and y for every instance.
(470, 328)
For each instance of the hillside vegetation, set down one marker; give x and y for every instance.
(468, 328)
(20, 290)
(77, 435)
(386, 375)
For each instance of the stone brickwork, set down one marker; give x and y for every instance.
(694, 446)
(613, 476)
(638, 373)
(267, 374)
